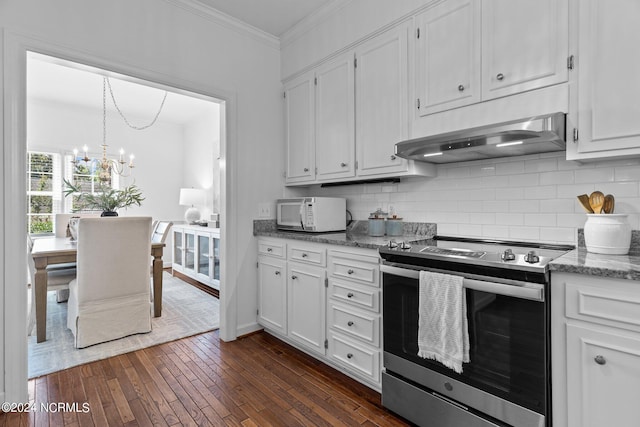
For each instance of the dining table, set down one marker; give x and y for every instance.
(61, 250)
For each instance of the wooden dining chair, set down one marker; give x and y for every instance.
(111, 296)
(160, 231)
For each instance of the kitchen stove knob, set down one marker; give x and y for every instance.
(531, 257)
(508, 255)
(600, 360)
(461, 88)
(392, 244)
(404, 245)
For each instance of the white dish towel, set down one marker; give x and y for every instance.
(443, 333)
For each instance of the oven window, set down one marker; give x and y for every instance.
(506, 337)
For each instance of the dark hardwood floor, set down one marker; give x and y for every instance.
(254, 381)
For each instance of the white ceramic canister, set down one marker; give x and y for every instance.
(607, 234)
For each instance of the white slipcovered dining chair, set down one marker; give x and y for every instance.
(111, 296)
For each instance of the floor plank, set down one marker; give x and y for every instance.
(256, 380)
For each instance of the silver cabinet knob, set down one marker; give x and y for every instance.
(343, 164)
(349, 355)
(500, 76)
(600, 360)
(350, 323)
(269, 250)
(393, 157)
(277, 273)
(350, 271)
(294, 277)
(350, 295)
(461, 88)
(304, 255)
(306, 169)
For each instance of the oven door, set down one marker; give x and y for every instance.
(508, 345)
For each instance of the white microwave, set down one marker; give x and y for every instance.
(312, 214)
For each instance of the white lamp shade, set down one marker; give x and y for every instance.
(191, 197)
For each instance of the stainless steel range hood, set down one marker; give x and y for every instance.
(532, 135)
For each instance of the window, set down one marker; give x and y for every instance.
(43, 195)
(44, 187)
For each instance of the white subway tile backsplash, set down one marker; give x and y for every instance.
(594, 175)
(524, 198)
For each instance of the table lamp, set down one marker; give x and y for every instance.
(191, 197)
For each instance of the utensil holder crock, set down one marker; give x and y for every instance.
(607, 234)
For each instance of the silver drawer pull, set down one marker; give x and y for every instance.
(600, 360)
(304, 255)
(350, 323)
(350, 271)
(294, 277)
(269, 250)
(306, 169)
(277, 273)
(350, 295)
(349, 355)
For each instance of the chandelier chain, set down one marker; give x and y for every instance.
(106, 79)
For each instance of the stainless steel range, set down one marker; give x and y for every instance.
(507, 381)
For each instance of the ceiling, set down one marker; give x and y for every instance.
(272, 16)
(56, 80)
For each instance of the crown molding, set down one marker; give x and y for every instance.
(312, 20)
(214, 15)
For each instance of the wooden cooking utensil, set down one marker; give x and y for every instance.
(596, 200)
(584, 201)
(609, 203)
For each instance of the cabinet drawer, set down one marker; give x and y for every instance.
(272, 248)
(605, 301)
(357, 295)
(355, 323)
(359, 269)
(308, 254)
(356, 357)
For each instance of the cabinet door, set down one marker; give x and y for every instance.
(603, 376)
(524, 45)
(608, 79)
(381, 102)
(272, 294)
(203, 257)
(306, 306)
(448, 56)
(299, 129)
(177, 249)
(335, 135)
(189, 249)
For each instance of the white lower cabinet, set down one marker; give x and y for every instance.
(327, 304)
(595, 351)
(306, 305)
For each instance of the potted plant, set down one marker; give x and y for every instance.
(106, 199)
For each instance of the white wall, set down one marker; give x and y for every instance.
(201, 167)
(519, 198)
(170, 42)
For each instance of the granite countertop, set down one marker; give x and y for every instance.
(581, 261)
(614, 266)
(355, 236)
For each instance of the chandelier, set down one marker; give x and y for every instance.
(105, 165)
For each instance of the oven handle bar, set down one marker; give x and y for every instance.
(524, 290)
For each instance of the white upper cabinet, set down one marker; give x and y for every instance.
(335, 135)
(448, 56)
(524, 45)
(381, 101)
(469, 51)
(606, 110)
(299, 128)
